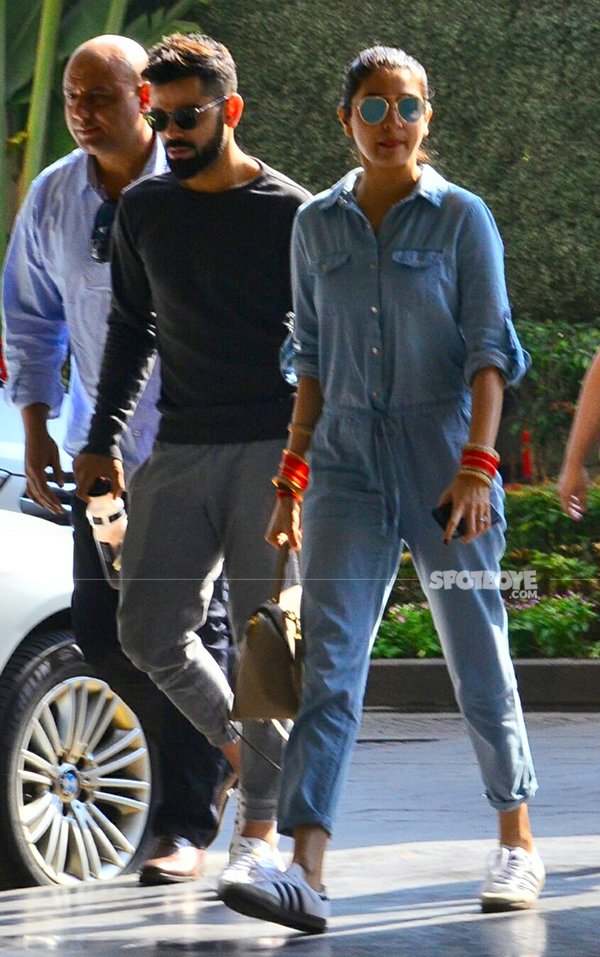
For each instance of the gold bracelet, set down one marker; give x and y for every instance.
(476, 473)
(284, 484)
(302, 429)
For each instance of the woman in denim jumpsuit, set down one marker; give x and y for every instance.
(404, 344)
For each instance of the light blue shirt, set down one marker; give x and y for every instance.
(57, 300)
(407, 315)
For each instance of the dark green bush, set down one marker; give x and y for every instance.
(560, 626)
(544, 402)
(536, 521)
(515, 115)
(563, 620)
(555, 572)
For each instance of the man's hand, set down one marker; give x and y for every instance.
(41, 453)
(88, 467)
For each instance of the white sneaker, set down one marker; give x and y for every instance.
(249, 858)
(514, 880)
(284, 898)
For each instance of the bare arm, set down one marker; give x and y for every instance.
(585, 432)
(470, 497)
(285, 524)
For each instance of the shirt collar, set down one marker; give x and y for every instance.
(156, 163)
(430, 185)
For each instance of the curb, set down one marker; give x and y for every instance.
(545, 684)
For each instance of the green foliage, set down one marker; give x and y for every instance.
(563, 620)
(553, 627)
(515, 118)
(407, 631)
(81, 20)
(561, 352)
(555, 572)
(536, 521)
(559, 626)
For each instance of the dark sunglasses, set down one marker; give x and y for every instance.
(374, 109)
(186, 117)
(100, 241)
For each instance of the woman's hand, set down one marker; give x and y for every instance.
(572, 489)
(286, 524)
(470, 500)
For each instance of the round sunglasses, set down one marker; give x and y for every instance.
(374, 109)
(185, 117)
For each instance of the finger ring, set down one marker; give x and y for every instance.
(484, 520)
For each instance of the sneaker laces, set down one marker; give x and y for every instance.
(510, 864)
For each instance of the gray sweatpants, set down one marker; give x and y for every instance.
(193, 508)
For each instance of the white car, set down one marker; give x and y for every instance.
(75, 767)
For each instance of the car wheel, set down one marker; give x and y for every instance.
(75, 770)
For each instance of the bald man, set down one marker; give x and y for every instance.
(56, 290)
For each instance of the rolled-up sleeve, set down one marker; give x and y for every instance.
(35, 328)
(484, 311)
(306, 327)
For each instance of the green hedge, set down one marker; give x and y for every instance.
(515, 118)
(545, 401)
(562, 620)
(561, 626)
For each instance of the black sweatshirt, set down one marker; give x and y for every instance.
(204, 279)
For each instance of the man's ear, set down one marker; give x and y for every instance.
(144, 96)
(234, 107)
(345, 121)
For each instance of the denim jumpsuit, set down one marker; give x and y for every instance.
(394, 326)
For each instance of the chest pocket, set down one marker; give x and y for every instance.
(331, 281)
(97, 276)
(419, 278)
(330, 262)
(418, 258)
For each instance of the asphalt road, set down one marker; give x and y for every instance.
(404, 870)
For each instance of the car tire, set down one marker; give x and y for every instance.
(75, 770)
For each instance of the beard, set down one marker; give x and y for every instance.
(203, 157)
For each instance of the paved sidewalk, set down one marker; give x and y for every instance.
(404, 873)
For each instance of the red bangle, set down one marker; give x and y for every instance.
(480, 458)
(294, 471)
(486, 449)
(470, 460)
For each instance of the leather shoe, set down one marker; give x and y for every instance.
(174, 861)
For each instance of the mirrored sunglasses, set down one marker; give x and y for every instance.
(100, 239)
(185, 117)
(373, 109)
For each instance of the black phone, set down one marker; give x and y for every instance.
(442, 514)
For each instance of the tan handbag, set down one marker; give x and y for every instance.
(268, 675)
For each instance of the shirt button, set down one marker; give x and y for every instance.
(375, 351)
(374, 394)
(373, 265)
(374, 310)
(137, 433)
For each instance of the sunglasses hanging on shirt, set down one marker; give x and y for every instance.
(100, 240)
